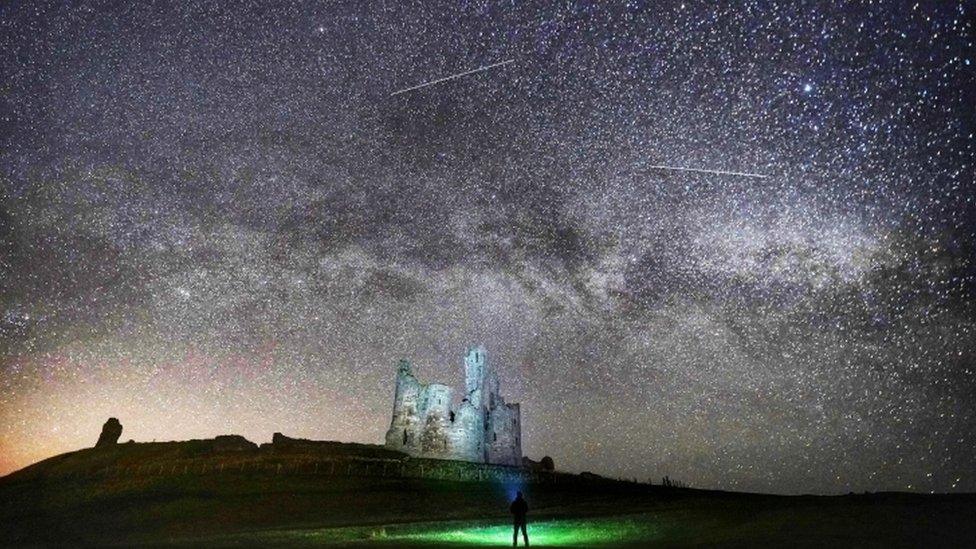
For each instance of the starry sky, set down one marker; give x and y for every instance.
(216, 219)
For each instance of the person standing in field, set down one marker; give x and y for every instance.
(519, 509)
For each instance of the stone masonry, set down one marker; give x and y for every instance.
(483, 428)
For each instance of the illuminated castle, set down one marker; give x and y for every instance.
(483, 428)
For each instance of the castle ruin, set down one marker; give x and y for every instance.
(483, 428)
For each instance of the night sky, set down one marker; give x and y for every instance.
(216, 219)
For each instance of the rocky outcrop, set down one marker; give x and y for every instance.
(281, 441)
(232, 443)
(544, 465)
(111, 432)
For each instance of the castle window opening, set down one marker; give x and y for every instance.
(496, 436)
(452, 417)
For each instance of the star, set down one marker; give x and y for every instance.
(214, 224)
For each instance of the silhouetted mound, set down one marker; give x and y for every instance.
(233, 443)
(223, 452)
(281, 444)
(546, 464)
(111, 432)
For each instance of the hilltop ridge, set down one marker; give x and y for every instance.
(228, 491)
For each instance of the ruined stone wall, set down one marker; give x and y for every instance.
(482, 428)
(435, 419)
(466, 434)
(503, 437)
(474, 374)
(404, 432)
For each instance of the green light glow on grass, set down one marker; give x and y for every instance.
(541, 534)
(594, 532)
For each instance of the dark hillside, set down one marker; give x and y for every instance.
(228, 491)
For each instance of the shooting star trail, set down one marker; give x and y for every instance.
(452, 77)
(701, 170)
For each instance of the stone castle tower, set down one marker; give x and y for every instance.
(483, 428)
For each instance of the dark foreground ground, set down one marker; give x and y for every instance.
(54, 503)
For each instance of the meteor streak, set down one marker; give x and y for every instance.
(452, 77)
(701, 170)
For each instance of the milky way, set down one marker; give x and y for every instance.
(216, 219)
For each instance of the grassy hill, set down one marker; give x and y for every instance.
(228, 492)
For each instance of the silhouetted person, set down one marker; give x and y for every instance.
(519, 509)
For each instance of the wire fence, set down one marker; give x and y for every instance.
(340, 467)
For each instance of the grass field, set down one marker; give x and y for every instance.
(58, 503)
(901, 522)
